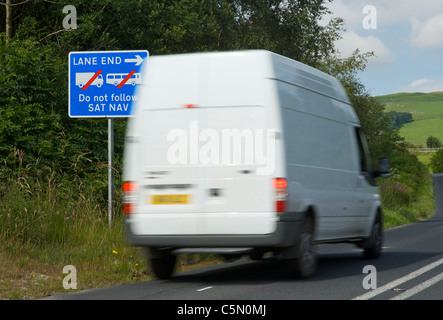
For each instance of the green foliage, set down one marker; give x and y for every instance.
(289, 28)
(406, 182)
(411, 170)
(433, 142)
(437, 162)
(398, 119)
(29, 123)
(395, 194)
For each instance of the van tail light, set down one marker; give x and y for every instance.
(130, 196)
(281, 195)
(189, 105)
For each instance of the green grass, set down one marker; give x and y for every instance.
(425, 158)
(411, 97)
(421, 209)
(418, 131)
(426, 110)
(46, 227)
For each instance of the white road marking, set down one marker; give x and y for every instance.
(396, 283)
(418, 288)
(203, 289)
(360, 250)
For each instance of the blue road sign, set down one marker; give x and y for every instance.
(103, 83)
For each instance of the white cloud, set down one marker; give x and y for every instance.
(388, 12)
(424, 85)
(403, 27)
(427, 34)
(352, 41)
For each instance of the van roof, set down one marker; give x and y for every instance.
(238, 72)
(302, 75)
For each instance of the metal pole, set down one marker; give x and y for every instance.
(110, 169)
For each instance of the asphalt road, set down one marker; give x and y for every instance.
(411, 267)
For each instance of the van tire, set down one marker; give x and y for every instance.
(305, 265)
(163, 267)
(375, 242)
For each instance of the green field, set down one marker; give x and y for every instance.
(426, 110)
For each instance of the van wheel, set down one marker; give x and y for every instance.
(306, 264)
(163, 267)
(373, 250)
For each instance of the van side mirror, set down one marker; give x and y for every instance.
(384, 166)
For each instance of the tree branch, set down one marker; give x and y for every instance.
(23, 2)
(51, 34)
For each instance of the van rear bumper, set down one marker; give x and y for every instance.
(286, 235)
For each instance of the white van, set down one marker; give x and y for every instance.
(246, 152)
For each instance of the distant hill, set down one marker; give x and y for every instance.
(426, 110)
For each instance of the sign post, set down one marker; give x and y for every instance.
(102, 84)
(110, 170)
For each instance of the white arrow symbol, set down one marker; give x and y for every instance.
(138, 60)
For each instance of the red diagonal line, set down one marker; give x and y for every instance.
(126, 79)
(92, 79)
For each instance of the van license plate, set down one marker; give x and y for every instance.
(170, 199)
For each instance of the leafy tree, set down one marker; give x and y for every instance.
(398, 119)
(28, 99)
(290, 28)
(433, 142)
(436, 163)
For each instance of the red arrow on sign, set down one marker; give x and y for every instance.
(126, 79)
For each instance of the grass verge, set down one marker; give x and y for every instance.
(420, 209)
(44, 228)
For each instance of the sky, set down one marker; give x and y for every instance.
(406, 37)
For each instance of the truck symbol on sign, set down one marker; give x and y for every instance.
(117, 78)
(81, 78)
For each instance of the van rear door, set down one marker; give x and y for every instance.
(237, 184)
(169, 183)
(206, 170)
